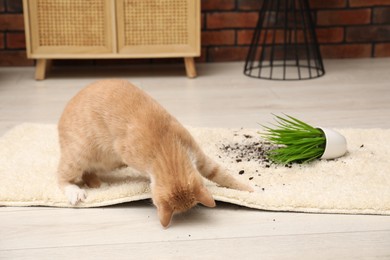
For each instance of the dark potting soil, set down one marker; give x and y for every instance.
(244, 148)
(250, 149)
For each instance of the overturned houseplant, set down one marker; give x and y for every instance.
(299, 142)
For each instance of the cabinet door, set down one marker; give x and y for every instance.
(158, 28)
(69, 28)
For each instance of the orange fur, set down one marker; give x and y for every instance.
(112, 123)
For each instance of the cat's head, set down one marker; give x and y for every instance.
(178, 196)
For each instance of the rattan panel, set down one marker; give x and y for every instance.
(155, 22)
(71, 22)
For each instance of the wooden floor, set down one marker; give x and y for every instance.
(352, 94)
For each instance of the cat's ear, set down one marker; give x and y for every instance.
(205, 198)
(165, 213)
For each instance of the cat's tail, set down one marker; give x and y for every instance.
(216, 173)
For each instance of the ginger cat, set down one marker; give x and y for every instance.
(110, 124)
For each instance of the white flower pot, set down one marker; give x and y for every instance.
(336, 145)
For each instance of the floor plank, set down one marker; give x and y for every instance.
(366, 245)
(86, 227)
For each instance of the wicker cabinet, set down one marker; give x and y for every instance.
(85, 29)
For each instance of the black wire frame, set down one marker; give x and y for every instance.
(284, 45)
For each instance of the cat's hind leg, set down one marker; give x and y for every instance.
(67, 176)
(91, 180)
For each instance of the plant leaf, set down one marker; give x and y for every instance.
(296, 140)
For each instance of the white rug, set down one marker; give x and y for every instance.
(358, 183)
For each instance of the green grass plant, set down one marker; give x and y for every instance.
(295, 140)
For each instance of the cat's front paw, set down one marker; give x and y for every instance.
(75, 194)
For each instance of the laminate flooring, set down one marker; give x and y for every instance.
(352, 94)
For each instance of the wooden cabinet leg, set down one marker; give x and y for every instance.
(42, 67)
(190, 67)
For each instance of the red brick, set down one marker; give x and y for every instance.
(245, 37)
(16, 41)
(203, 56)
(330, 35)
(381, 15)
(1, 40)
(211, 5)
(324, 35)
(346, 51)
(355, 3)
(250, 5)
(14, 58)
(344, 17)
(382, 50)
(227, 54)
(231, 20)
(368, 33)
(224, 37)
(11, 22)
(14, 6)
(2, 5)
(321, 4)
(2, 44)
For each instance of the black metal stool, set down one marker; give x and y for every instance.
(284, 45)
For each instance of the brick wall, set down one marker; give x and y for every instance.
(345, 29)
(12, 42)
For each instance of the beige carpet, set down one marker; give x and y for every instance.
(358, 183)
